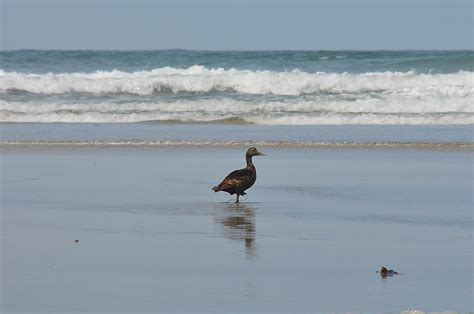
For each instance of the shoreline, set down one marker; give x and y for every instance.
(141, 144)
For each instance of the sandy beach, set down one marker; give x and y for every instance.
(315, 228)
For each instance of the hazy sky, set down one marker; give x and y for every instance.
(239, 25)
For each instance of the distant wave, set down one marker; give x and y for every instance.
(199, 79)
(205, 143)
(363, 110)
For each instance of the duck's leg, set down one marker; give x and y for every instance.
(237, 198)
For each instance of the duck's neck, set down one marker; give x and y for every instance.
(249, 161)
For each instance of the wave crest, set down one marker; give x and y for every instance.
(199, 79)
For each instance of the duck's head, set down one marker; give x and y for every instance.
(252, 151)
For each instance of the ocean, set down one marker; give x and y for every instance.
(262, 88)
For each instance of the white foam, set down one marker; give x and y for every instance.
(200, 79)
(370, 98)
(366, 110)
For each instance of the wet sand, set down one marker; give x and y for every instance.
(314, 230)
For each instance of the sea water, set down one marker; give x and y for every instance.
(238, 87)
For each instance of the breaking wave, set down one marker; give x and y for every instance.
(365, 110)
(199, 94)
(199, 79)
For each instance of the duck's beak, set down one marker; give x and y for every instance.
(260, 154)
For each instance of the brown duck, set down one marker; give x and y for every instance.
(240, 180)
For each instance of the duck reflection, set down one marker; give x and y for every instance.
(238, 223)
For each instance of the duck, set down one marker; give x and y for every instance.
(384, 272)
(240, 180)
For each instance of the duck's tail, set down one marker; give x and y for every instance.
(216, 188)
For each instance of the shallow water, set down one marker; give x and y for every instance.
(309, 237)
(146, 134)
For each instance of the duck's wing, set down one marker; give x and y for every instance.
(236, 174)
(233, 179)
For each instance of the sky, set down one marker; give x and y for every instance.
(236, 25)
